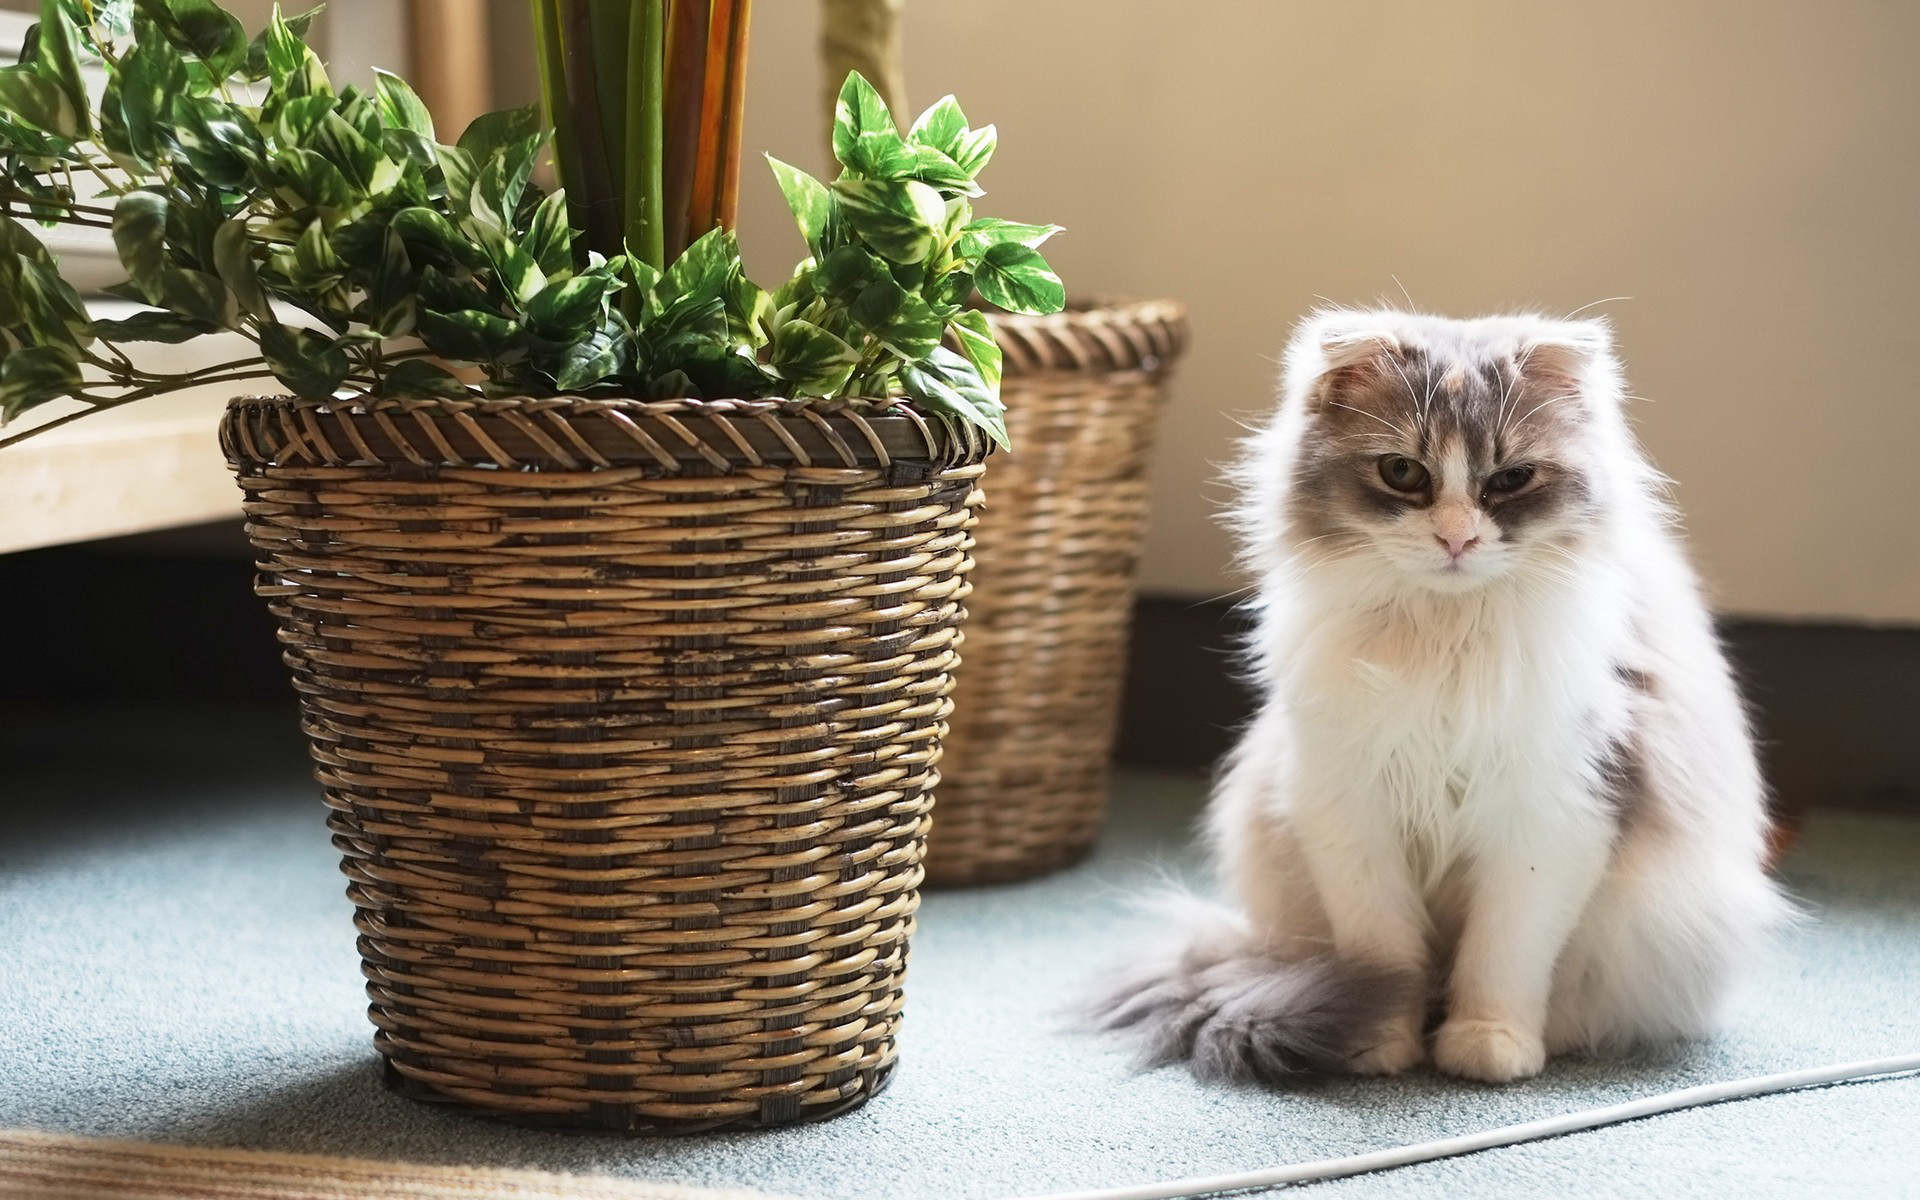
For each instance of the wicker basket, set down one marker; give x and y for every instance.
(1024, 786)
(628, 716)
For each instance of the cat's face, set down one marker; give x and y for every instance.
(1454, 464)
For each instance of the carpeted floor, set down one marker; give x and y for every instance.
(177, 963)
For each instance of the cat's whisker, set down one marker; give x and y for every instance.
(1593, 304)
(1544, 403)
(1399, 429)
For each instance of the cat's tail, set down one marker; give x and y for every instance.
(1211, 996)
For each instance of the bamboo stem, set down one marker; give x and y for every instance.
(450, 55)
(646, 59)
(551, 54)
(736, 118)
(613, 86)
(863, 36)
(600, 206)
(685, 85)
(703, 207)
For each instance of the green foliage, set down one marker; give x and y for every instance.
(361, 255)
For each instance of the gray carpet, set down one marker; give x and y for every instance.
(176, 963)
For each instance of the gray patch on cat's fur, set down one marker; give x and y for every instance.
(1236, 1014)
(1623, 781)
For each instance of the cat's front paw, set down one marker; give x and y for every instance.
(1398, 1047)
(1493, 1051)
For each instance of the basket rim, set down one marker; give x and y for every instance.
(587, 433)
(1094, 332)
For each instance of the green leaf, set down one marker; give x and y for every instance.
(341, 144)
(292, 66)
(152, 327)
(309, 363)
(1018, 279)
(393, 303)
(446, 293)
(940, 127)
(877, 303)
(202, 29)
(58, 61)
(299, 119)
(865, 138)
(457, 173)
(149, 78)
(806, 196)
(976, 237)
(316, 265)
(54, 312)
(423, 228)
(471, 336)
(518, 273)
(932, 167)
(493, 133)
(548, 240)
(417, 377)
(749, 308)
(702, 270)
(812, 361)
(847, 270)
(400, 106)
(197, 296)
(40, 103)
(219, 142)
(976, 146)
(914, 330)
(501, 181)
(975, 336)
(899, 219)
(572, 305)
(233, 259)
(588, 362)
(16, 238)
(256, 67)
(307, 178)
(948, 383)
(140, 236)
(34, 375)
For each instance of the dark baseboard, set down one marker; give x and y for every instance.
(1836, 708)
(172, 618)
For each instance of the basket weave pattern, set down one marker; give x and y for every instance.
(1026, 769)
(628, 716)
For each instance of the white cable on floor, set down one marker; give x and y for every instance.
(1506, 1135)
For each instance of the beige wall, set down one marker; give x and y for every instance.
(1748, 173)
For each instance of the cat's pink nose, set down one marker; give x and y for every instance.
(1456, 546)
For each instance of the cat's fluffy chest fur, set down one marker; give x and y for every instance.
(1499, 758)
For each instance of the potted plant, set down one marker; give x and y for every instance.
(622, 596)
(1025, 776)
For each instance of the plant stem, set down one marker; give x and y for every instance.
(685, 85)
(735, 116)
(600, 207)
(703, 207)
(553, 89)
(646, 61)
(612, 26)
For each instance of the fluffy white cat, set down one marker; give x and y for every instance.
(1500, 771)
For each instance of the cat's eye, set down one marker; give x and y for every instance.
(1510, 480)
(1402, 474)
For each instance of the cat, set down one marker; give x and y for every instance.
(1500, 771)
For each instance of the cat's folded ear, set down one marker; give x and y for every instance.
(1564, 352)
(1337, 344)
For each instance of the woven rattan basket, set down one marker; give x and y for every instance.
(628, 716)
(1025, 774)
